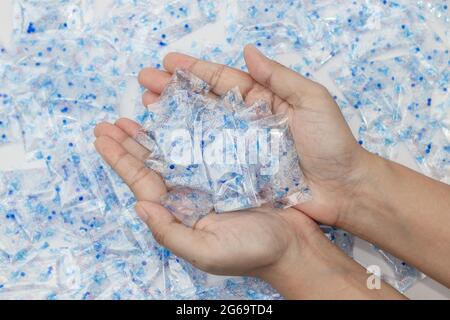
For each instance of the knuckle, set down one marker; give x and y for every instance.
(140, 174)
(120, 161)
(193, 66)
(295, 98)
(268, 80)
(160, 237)
(216, 76)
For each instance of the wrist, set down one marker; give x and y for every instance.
(403, 212)
(316, 269)
(290, 273)
(368, 197)
(294, 273)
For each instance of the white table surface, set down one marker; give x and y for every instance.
(13, 156)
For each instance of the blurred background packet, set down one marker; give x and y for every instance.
(68, 228)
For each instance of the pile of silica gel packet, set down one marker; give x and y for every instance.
(216, 153)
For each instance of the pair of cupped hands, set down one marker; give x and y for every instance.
(261, 242)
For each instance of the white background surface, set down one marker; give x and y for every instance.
(13, 156)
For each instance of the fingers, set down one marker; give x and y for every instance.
(130, 127)
(119, 135)
(257, 93)
(188, 243)
(284, 82)
(221, 78)
(153, 79)
(145, 184)
(149, 98)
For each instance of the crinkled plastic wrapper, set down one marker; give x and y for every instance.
(217, 154)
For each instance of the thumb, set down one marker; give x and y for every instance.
(155, 216)
(183, 241)
(284, 82)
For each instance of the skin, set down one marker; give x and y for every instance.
(351, 188)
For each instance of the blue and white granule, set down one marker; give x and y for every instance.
(68, 229)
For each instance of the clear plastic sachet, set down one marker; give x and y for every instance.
(216, 153)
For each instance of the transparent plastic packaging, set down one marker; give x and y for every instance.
(37, 16)
(404, 275)
(218, 154)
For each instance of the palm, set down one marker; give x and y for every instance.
(244, 241)
(328, 153)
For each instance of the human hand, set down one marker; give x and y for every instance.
(248, 241)
(244, 243)
(261, 242)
